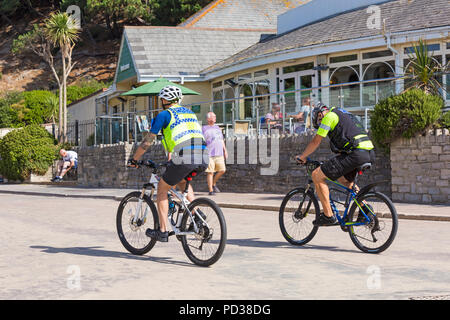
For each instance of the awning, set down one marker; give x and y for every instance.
(153, 88)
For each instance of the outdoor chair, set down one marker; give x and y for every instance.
(241, 127)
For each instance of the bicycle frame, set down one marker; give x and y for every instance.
(351, 196)
(183, 201)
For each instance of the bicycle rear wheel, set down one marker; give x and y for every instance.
(377, 233)
(205, 247)
(297, 213)
(132, 233)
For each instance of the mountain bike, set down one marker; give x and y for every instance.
(199, 225)
(368, 216)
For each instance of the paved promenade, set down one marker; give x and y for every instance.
(250, 201)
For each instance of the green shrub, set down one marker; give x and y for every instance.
(9, 117)
(445, 120)
(37, 106)
(26, 150)
(405, 115)
(83, 89)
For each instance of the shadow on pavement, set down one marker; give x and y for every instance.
(98, 252)
(257, 243)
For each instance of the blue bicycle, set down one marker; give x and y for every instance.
(368, 216)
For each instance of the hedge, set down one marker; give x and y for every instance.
(406, 115)
(26, 150)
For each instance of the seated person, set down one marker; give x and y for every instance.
(301, 116)
(69, 161)
(271, 118)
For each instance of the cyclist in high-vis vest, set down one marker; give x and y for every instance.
(186, 148)
(347, 138)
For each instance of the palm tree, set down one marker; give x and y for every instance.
(52, 103)
(62, 30)
(423, 70)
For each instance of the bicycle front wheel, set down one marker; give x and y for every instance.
(206, 246)
(375, 233)
(131, 231)
(297, 212)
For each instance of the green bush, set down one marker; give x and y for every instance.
(405, 115)
(37, 106)
(9, 117)
(445, 120)
(27, 150)
(83, 89)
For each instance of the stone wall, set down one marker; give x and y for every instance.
(421, 169)
(250, 167)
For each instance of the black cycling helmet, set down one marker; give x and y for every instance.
(315, 114)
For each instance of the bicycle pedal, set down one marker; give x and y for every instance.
(171, 233)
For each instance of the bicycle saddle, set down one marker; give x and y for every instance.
(364, 167)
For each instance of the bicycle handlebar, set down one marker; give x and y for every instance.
(310, 165)
(150, 164)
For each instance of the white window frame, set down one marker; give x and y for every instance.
(132, 105)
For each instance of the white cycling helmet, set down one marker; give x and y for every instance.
(171, 93)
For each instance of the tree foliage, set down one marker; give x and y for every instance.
(8, 115)
(117, 13)
(83, 89)
(423, 71)
(173, 12)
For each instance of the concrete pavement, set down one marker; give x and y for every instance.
(68, 248)
(250, 201)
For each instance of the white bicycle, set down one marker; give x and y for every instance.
(199, 225)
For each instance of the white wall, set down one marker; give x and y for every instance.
(317, 10)
(82, 110)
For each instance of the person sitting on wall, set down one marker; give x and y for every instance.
(69, 160)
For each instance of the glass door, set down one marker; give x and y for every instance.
(302, 82)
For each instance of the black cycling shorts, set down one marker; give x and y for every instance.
(175, 173)
(345, 164)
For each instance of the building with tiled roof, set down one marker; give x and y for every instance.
(232, 51)
(398, 17)
(174, 52)
(248, 14)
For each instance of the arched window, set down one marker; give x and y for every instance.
(348, 95)
(376, 91)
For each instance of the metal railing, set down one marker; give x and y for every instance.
(248, 115)
(358, 97)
